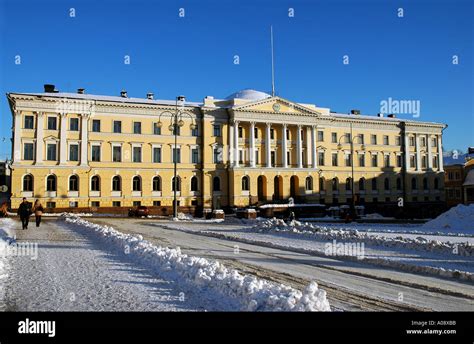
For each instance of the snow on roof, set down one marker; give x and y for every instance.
(249, 94)
(109, 98)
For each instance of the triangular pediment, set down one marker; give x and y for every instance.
(275, 105)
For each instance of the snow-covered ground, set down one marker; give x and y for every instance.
(5, 234)
(83, 266)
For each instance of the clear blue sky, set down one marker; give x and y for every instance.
(402, 58)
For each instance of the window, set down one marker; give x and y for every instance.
(414, 185)
(334, 159)
(287, 134)
(136, 183)
(373, 139)
(348, 184)
(157, 203)
(137, 127)
(361, 160)
(73, 204)
(74, 152)
(117, 127)
(435, 161)
(176, 184)
(423, 141)
(386, 160)
(73, 183)
(321, 158)
(412, 161)
(424, 160)
(95, 183)
(216, 184)
(374, 160)
(50, 204)
(386, 140)
(398, 140)
(399, 184)
(217, 156)
(116, 204)
(411, 141)
(51, 183)
(321, 184)
(96, 125)
(116, 183)
(177, 155)
(29, 122)
(272, 158)
(255, 133)
(347, 159)
(425, 183)
(117, 153)
(347, 138)
(334, 137)
(52, 123)
(28, 183)
(436, 183)
(374, 184)
(399, 161)
(95, 153)
(195, 155)
(137, 203)
(386, 184)
(334, 184)
(245, 183)
(74, 124)
(95, 204)
(51, 151)
(156, 128)
(309, 184)
(361, 184)
(137, 154)
(320, 136)
(217, 130)
(195, 131)
(362, 139)
(156, 154)
(156, 183)
(241, 132)
(194, 184)
(272, 134)
(28, 151)
(434, 142)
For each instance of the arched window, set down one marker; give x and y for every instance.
(74, 183)
(436, 183)
(176, 184)
(95, 183)
(216, 184)
(414, 185)
(136, 183)
(374, 184)
(245, 183)
(425, 183)
(348, 184)
(156, 183)
(194, 184)
(321, 184)
(361, 184)
(386, 184)
(399, 183)
(335, 184)
(116, 183)
(28, 183)
(51, 183)
(309, 183)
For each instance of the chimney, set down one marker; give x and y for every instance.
(123, 94)
(391, 115)
(49, 88)
(380, 115)
(81, 90)
(149, 95)
(355, 112)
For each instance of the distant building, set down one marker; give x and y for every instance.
(5, 181)
(459, 178)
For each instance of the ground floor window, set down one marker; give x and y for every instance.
(50, 204)
(116, 204)
(95, 204)
(137, 203)
(156, 203)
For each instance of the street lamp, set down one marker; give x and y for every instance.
(176, 122)
(339, 147)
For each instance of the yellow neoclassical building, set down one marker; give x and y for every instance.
(83, 150)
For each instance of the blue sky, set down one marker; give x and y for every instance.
(407, 58)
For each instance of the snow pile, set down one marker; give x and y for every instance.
(5, 238)
(253, 294)
(307, 229)
(457, 219)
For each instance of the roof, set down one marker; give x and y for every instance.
(249, 94)
(469, 181)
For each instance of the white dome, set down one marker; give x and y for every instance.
(249, 94)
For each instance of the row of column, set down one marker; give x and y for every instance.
(234, 145)
(39, 154)
(418, 152)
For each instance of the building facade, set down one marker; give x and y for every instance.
(81, 150)
(459, 179)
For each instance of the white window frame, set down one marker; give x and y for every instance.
(69, 144)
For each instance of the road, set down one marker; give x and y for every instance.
(351, 286)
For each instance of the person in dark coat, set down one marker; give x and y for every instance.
(24, 211)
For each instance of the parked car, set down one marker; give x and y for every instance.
(139, 211)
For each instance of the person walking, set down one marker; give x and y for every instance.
(24, 211)
(4, 210)
(38, 210)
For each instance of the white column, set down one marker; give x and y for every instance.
(62, 139)
(430, 155)
(84, 139)
(407, 152)
(17, 137)
(252, 144)
(236, 144)
(268, 154)
(418, 155)
(440, 154)
(309, 153)
(298, 147)
(283, 146)
(314, 154)
(39, 138)
(231, 144)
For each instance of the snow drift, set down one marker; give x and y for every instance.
(252, 293)
(458, 219)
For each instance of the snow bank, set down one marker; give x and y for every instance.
(254, 294)
(325, 233)
(457, 219)
(6, 225)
